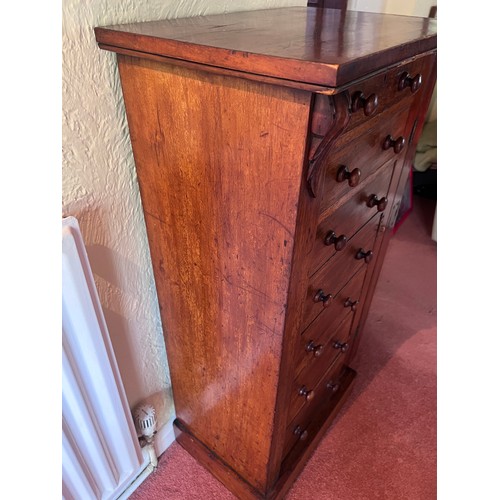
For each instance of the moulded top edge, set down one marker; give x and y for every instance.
(326, 47)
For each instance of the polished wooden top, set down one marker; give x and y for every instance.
(325, 47)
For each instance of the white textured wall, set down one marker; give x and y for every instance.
(419, 8)
(100, 187)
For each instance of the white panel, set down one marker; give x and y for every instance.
(75, 484)
(84, 436)
(366, 5)
(99, 435)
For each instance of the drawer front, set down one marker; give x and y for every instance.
(348, 167)
(331, 278)
(372, 96)
(367, 200)
(312, 345)
(305, 387)
(299, 430)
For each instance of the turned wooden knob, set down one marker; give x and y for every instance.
(316, 349)
(322, 297)
(343, 346)
(397, 144)
(368, 104)
(407, 81)
(374, 201)
(307, 394)
(353, 304)
(361, 254)
(302, 433)
(333, 386)
(339, 241)
(353, 178)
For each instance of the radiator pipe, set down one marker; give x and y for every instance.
(150, 457)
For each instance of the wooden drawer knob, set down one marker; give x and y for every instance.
(343, 346)
(396, 144)
(353, 304)
(407, 81)
(353, 178)
(302, 433)
(368, 104)
(374, 201)
(322, 297)
(361, 254)
(307, 394)
(316, 349)
(339, 241)
(333, 386)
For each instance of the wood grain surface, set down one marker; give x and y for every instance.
(212, 154)
(326, 47)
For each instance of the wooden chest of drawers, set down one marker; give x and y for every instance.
(271, 150)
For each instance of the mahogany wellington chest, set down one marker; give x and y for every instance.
(271, 148)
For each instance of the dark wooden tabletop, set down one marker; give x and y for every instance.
(317, 46)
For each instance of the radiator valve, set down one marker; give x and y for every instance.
(145, 421)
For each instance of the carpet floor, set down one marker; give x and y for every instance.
(382, 445)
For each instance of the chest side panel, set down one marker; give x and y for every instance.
(219, 162)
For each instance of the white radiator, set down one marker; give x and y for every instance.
(101, 454)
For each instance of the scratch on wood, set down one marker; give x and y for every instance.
(159, 139)
(154, 217)
(282, 128)
(246, 287)
(266, 329)
(278, 222)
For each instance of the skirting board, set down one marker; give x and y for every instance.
(164, 437)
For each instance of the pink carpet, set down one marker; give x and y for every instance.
(383, 443)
